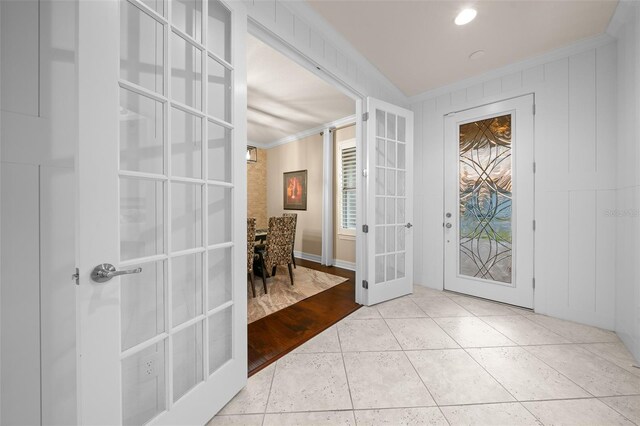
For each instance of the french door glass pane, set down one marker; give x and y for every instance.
(141, 133)
(401, 265)
(157, 5)
(380, 150)
(219, 215)
(218, 91)
(380, 269)
(143, 385)
(186, 216)
(402, 164)
(142, 304)
(219, 31)
(220, 339)
(141, 218)
(220, 277)
(485, 199)
(188, 369)
(141, 48)
(186, 274)
(187, 16)
(219, 153)
(186, 144)
(402, 129)
(391, 126)
(186, 72)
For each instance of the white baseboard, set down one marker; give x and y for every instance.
(344, 265)
(307, 256)
(318, 259)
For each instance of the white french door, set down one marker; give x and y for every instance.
(389, 192)
(160, 159)
(488, 209)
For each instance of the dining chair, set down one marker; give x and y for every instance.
(279, 244)
(251, 255)
(295, 227)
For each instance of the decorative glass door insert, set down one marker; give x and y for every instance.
(485, 177)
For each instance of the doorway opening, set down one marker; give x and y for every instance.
(302, 198)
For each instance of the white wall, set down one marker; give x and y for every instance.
(575, 150)
(626, 27)
(37, 258)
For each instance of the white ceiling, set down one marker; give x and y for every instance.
(418, 47)
(284, 98)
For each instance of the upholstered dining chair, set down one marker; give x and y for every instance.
(295, 226)
(277, 249)
(251, 255)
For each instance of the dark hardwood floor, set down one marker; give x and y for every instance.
(277, 334)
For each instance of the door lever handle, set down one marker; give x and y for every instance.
(409, 225)
(105, 271)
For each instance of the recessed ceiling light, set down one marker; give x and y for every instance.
(466, 16)
(477, 54)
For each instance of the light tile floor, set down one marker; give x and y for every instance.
(442, 358)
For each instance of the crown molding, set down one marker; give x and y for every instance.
(560, 53)
(341, 122)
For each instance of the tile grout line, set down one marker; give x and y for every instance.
(416, 371)
(545, 363)
(266, 405)
(344, 367)
(586, 398)
(615, 409)
(483, 368)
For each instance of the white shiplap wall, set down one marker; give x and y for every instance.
(626, 27)
(575, 146)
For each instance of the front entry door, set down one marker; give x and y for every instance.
(389, 192)
(488, 209)
(160, 182)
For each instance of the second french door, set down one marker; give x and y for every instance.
(488, 210)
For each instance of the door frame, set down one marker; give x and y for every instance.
(256, 29)
(471, 106)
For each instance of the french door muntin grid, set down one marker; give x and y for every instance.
(167, 180)
(390, 192)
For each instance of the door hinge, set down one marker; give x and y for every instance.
(76, 276)
(365, 284)
(534, 225)
(534, 282)
(534, 167)
(365, 173)
(534, 109)
(365, 229)
(365, 116)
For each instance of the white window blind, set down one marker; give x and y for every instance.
(348, 187)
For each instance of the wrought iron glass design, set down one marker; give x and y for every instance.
(486, 199)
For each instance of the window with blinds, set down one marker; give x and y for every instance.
(347, 179)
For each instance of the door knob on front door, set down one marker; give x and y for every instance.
(409, 225)
(448, 225)
(105, 271)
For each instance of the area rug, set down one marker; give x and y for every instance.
(281, 293)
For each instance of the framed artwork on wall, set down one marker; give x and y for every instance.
(295, 190)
